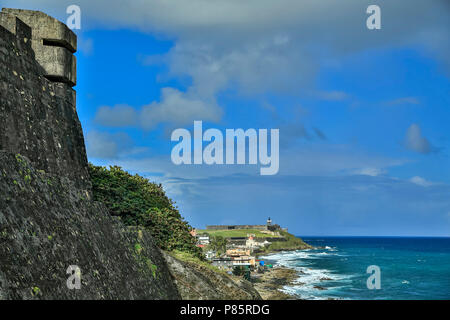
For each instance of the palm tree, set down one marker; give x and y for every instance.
(218, 244)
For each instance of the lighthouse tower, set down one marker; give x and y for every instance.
(269, 222)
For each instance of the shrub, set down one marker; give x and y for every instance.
(138, 202)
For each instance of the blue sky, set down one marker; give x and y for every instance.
(363, 115)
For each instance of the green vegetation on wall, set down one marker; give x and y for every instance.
(138, 202)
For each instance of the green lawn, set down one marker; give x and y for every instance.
(291, 243)
(235, 233)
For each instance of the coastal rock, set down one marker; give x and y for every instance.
(198, 282)
(319, 288)
(271, 282)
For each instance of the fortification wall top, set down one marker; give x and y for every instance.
(52, 41)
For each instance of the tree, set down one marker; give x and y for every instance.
(218, 244)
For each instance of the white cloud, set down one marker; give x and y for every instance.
(263, 65)
(420, 181)
(305, 161)
(175, 108)
(373, 172)
(179, 108)
(265, 45)
(255, 46)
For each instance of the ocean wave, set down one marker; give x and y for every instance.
(286, 256)
(324, 254)
(312, 293)
(312, 283)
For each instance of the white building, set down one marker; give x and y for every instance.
(203, 240)
(210, 254)
(244, 261)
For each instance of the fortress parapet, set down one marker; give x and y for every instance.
(234, 227)
(52, 42)
(38, 117)
(262, 227)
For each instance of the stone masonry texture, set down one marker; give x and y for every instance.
(48, 220)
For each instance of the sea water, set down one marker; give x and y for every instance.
(411, 268)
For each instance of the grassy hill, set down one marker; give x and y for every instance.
(291, 243)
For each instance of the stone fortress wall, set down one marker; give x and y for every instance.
(38, 105)
(48, 218)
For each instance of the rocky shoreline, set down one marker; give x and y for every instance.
(270, 283)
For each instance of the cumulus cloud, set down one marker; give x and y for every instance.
(263, 65)
(175, 108)
(179, 108)
(415, 141)
(265, 45)
(342, 23)
(255, 47)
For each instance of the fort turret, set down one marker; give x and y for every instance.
(51, 40)
(38, 106)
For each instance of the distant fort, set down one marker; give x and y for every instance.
(268, 226)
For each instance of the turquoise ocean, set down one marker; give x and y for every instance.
(410, 268)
